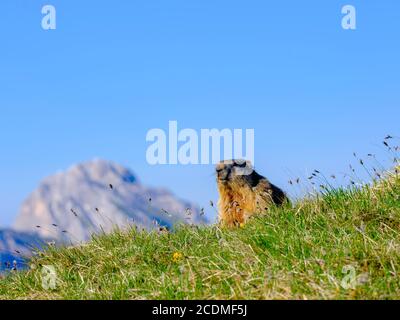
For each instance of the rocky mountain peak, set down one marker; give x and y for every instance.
(99, 195)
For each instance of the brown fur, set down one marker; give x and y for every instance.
(244, 195)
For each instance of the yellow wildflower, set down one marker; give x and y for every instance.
(177, 256)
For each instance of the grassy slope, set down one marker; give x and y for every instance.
(290, 253)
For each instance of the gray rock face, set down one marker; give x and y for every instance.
(99, 195)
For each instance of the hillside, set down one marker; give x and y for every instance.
(342, 244)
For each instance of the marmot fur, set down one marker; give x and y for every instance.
(243, 192)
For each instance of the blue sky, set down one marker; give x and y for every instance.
(112, 70)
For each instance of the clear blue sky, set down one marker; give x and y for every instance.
(112, 70)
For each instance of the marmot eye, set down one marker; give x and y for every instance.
(218, 170)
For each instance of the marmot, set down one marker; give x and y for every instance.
(243, 192)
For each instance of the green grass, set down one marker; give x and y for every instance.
(288, 253)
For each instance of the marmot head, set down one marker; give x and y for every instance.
(234, 171)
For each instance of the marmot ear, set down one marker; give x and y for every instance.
(242, 163)
(243, 168)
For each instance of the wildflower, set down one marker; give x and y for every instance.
(177, 256)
